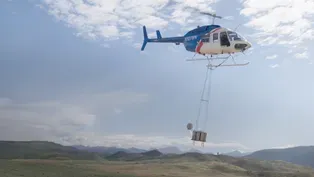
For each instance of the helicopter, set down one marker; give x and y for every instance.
(208, 40)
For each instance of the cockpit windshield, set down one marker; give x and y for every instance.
(233, 36)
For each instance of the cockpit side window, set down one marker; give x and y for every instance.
(233, 36)
(224, 41)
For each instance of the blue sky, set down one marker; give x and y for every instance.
(72, 72)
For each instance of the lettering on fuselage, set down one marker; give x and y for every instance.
(190, 38)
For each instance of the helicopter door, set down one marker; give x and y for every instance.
(215, 43)
(224, 41)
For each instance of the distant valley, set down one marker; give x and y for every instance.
(303, 155)
(164, 150)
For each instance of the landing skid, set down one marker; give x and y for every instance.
(240, 64)
(211, 58)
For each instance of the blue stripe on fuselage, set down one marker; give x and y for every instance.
(192, 37)
(190, 44)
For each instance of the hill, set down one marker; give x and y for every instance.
(170, 150)
(214, 164)
(112, 150)
(194, 150)
(108, 150)
(124, 156)
(302, 155)
(42, 150)
(237, 154)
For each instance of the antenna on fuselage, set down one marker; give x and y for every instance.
(235, 29)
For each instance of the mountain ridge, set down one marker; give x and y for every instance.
(42, 150)
(301, 155)
(237, 153)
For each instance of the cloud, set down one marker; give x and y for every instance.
(285, 146)
(41, 120)
(114, 19)
(56, 120)
(143, 141)
(271, 57)
(274, 66)
(71, 122)
(302, 55)
(281, 22)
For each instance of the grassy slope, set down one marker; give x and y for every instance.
(152, 168)
(151, 164)
(52, 168)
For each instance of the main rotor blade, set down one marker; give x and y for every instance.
(210, 14)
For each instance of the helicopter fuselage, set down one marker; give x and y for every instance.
(213, 40)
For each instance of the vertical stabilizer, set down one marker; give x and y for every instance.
(145, 38)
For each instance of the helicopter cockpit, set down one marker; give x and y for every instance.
(227, 38)
(233, 36)
(240, 43)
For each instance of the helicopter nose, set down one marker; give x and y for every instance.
(249, 45)
(241, 46)
(244, 45)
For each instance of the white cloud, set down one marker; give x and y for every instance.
(55, 120)
(274, 66)
(285, 146)
(281, 22)
(302, 55)
(143, 141)
(271, 57)
(108, 20)
(71, 122)
(41, 120)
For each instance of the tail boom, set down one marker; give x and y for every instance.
(160, 39)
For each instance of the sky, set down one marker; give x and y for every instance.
(72, 72)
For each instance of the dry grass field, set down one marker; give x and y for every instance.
(170, 167)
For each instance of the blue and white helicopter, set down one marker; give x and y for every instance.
(209, 40)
